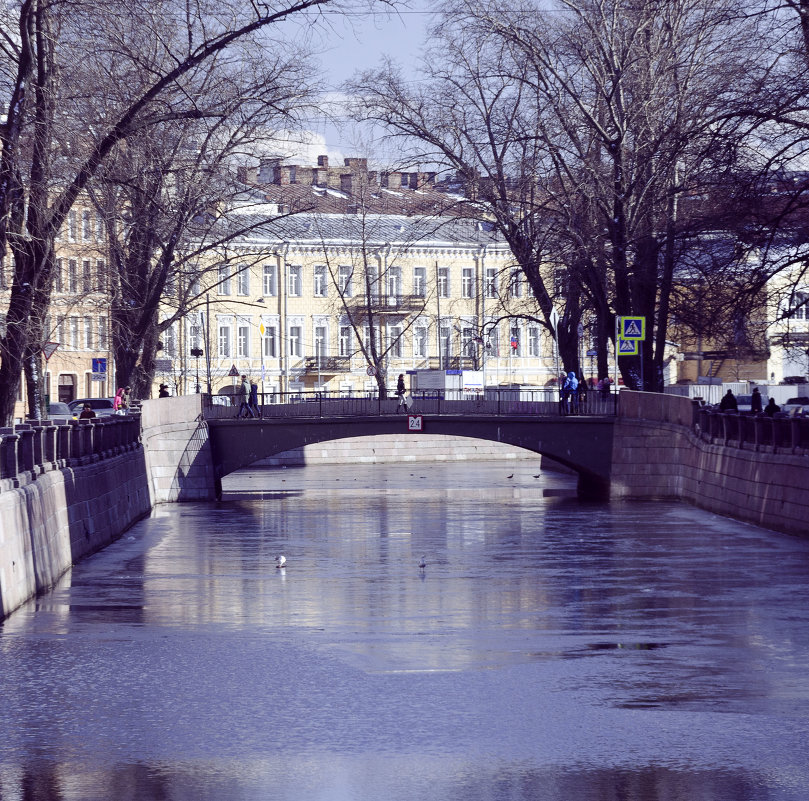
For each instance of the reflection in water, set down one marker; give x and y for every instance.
(548, 649)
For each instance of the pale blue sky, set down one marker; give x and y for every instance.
(359, 43)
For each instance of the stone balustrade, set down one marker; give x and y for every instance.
(31, 449)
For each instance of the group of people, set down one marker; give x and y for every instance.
(574, 390)
(730, 404)
(122, 400)
(248, 397)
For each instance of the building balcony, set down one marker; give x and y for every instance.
(387, 304)
(327, 364)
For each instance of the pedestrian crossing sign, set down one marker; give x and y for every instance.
(632, 328)
(628, 347)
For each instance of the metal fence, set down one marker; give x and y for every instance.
(543, 403)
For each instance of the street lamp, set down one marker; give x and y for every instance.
(196, 353)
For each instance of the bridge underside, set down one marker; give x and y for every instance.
(584, 443)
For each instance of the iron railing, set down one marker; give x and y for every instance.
(779, 434)
(495, 402)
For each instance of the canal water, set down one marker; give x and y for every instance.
(548, 649)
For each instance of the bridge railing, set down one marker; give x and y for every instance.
(545, 403)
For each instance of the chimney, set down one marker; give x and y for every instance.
(266, 171)
(345, 183)
(356, 165)
(323, 161)
(247, 175)
(392, 180)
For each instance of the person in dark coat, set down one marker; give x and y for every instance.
(254, 398)
(771, 408)
(728, 403)
(755, 401)
(164, 391)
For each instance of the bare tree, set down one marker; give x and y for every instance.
(79, 78)
(580, 126)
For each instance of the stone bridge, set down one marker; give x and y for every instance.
(581, 443)
(652, 446)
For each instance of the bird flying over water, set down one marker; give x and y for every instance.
(281, 561)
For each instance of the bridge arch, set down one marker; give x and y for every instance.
(582, 444)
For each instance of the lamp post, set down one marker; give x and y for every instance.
(196, 353)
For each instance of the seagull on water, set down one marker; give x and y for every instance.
(280, 561)
(423, 563)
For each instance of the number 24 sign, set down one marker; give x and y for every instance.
(415, 422)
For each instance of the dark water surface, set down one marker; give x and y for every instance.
(548, 650)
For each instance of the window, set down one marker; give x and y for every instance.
(271, 280)
(395, 341)
(72, 276)
(366, 334)
(102, 333)
(491, 282)
(74, 333)
(514, 342)
(194, 337)
(88, 333)
(469, 346)
(194, 288)
(320, 281)
(243, 280)
(169, 343)
(515, 285)
(533, 341)
(420, 282)
(445, 334)
(467, 283)
(59, 331)
(224, 340)
(224, 280)
(86, 276)
(345, 340)
(57, 275)
(443, 282)
(71, 225)
(798, 306)
(86, 225)
(270, 341)
(493, 342)
(395, 283)
(373, 280)
(101, 275)
(321, 343)
(243, 341)
(100, 228)
(420, 342)
(344, 278)
(295, 340)
(294, 280)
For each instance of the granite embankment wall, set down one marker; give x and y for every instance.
(64, 493)
(658, 454)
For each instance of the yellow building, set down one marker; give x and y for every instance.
(296, 304)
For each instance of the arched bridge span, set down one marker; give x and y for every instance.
(581, 443)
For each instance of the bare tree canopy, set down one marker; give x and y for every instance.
(585, 129)
(79, 78)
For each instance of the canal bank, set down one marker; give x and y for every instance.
(68, 504)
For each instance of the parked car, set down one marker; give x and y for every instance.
(101, 406)
(60, 412)
(798, 406)
(745, 403)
